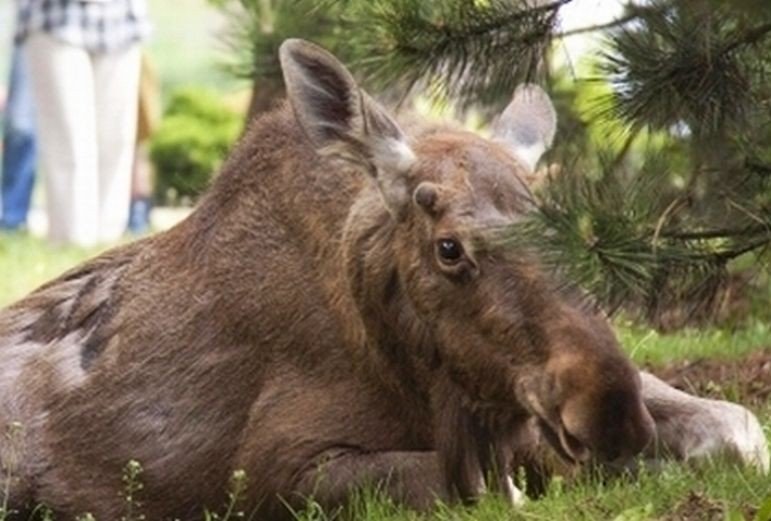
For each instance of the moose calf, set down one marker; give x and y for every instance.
(335, 313)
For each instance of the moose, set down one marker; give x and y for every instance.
(335, 313)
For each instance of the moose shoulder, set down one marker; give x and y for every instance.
(331, 315)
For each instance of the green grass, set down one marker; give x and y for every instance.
(646, 346)
(730, 493)
(675, 490)
(27, 262)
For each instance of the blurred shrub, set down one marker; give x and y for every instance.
(188, 148)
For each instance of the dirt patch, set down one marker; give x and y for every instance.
(696, 507)
(747, 380)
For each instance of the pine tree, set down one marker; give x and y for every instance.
(652, 216)
(256, 30)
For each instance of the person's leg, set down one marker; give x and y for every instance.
(141, 190)
(116, 83)
(149, 112)
(62, 80)
(19, 160)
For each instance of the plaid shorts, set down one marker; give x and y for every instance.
(96, 25)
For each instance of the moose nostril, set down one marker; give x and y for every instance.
(573, 446)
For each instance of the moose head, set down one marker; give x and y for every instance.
(507, 339)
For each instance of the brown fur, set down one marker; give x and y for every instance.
(300, 328)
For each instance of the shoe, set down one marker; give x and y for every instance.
(139, 215)
(13, 226)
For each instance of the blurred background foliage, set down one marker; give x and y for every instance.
(196, 133)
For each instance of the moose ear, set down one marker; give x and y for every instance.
(528, 124)
(342, 121)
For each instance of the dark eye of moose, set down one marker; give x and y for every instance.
(449, 250)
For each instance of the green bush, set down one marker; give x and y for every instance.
(188, 148)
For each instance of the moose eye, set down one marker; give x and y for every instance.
(449, 250)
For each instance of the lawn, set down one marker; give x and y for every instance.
(27, 262)
(713, 491)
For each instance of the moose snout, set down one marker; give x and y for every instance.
(578, 450)
(641, 431)
(613, 433)
(632, 430)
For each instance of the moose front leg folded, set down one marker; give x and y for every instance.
(412, 478)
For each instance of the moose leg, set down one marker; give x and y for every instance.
(693, 428)
(410, 478)
(281, 483)
(308, 440)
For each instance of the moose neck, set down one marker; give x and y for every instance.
(275, 180)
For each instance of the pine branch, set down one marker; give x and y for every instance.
(739, 251)
(503, 22)
(478, 50)
(606, 237)
(717, 233)
(635, 13)
(681, 64)
(751, 37)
